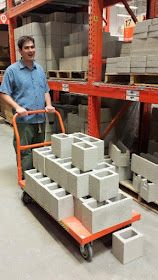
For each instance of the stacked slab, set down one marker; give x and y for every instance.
(143, 52)
(72, 174)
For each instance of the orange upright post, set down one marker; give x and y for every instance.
(11, 27)
(95, 63)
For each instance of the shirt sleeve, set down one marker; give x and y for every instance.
(7, 83)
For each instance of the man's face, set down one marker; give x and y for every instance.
(28, 51)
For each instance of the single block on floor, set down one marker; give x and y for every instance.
(127, 244)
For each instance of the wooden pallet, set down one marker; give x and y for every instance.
(144, 79)
(67, 75)
(133, 79)
(117, 79)
(128, 187)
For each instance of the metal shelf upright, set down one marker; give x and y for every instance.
(93, 88)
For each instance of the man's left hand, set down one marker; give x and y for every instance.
(50, 109)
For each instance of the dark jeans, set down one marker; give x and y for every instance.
(29, 134)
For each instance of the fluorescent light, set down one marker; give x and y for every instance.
(122, 6)
(123, 15)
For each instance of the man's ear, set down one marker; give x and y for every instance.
(20, 51)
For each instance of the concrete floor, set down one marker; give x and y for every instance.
(33, 246)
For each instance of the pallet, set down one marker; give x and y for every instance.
(133, 79)
(144, 79)
(128, 188)
(117, 79)
(67, 75)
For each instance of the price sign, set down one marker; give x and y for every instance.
(65, 87)
(132, 95)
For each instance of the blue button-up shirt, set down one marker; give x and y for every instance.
(27, 87)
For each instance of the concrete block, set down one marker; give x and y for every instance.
(153, 70)
(37, 28)
(32, 178)
(97, 216)
(153, 27)
(107, 159)
(78, 183)
(53, 28)
(127, 244)
(61, 204)
(36, 156)
(136, 183)
(47, 191)
(80, 135)
(152, 64)
(52, 167)
(103, 184)
(124, 172)
(78, 205)
(145, 168)
(98, 143)
(148, 191)
(118, 156)
(84, 156)
(154, 21)
(153, 34)
(61, 145)
(63, 170)
(104, 165)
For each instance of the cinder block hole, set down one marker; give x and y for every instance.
(87, 197)
(79, 135)
(76, 140)
(47, 153)
(46, 181)
(120, 196)
(38, 176)
(97, 204)
(69, 166)
(102, 165)
(64, 160)
(103, 174)
(62, 136)
(128, 234)
(33, 171)
(91, 140)
(44, 149)
(78, 171)
(53, 187)
(85, 145)
(61, 193)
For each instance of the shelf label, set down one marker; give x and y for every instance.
(3, 19)
(65, 87)
(132, 95)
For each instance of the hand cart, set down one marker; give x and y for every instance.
(71, 224)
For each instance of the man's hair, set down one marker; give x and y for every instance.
(23, 39)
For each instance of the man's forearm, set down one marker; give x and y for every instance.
(48, 99)
(6, 98)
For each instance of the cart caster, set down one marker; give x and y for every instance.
(87, 252)
(26, 198)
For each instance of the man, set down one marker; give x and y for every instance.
(24, 88)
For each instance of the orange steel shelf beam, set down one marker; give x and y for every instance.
(146, 95)
(25, 7)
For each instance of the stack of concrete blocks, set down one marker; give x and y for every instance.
(125, 49)
(127, 244)
(145, 178)
(120, 156)
(143, 51)
(73, 123)
(37, 31)
(111, 46)
(77, 180)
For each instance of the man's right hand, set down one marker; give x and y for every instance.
(21, 111)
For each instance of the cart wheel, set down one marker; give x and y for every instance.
(26, 198)
(87, 252)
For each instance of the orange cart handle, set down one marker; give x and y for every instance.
(20, 148)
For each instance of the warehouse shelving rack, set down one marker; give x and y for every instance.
(93, 87)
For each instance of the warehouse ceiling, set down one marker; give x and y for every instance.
(77, 5)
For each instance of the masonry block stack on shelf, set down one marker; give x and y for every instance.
(62, 40)
(143, 51)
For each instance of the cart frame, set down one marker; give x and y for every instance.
(71, 224)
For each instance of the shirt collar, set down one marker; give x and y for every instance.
(22, 65)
